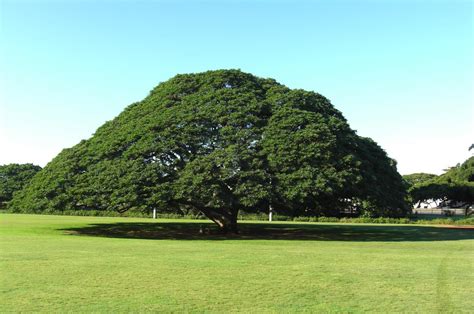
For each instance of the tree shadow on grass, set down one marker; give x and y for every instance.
(273, 231)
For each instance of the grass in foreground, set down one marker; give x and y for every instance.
(62, 263)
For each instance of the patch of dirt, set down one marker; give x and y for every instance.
(465, 227)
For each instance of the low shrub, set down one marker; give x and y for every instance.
(264, 217)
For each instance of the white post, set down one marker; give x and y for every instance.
(154, 213)
(270, 213)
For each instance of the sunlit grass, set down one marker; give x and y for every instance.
(63, 263)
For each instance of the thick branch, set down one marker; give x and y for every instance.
(226, 220)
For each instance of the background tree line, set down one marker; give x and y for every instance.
(454, 188)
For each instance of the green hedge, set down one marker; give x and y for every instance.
(264, 217)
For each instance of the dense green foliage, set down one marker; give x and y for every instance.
(418, 178)
(417, 220)
(219, 142)
(455, 187)
(460, 173)
(14, 177)
(114, 267)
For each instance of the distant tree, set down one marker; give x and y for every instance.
(455, 186)
(460, 173)
(14, 177)
(219, 142)
(418, 178)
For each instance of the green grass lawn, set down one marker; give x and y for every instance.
(83, 264)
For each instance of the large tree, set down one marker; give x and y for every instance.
(219, 142)
(13, 177)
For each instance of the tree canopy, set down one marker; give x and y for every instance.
(13, 177)
(460, 173)
(219, 142)
(418, 178)
(454, 187)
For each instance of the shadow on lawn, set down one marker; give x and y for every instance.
(274, 231)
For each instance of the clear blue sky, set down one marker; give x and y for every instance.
(402, 72)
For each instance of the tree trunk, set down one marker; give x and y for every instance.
(232, 227)
(226, 220)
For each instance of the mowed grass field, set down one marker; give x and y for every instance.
(84, 264)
